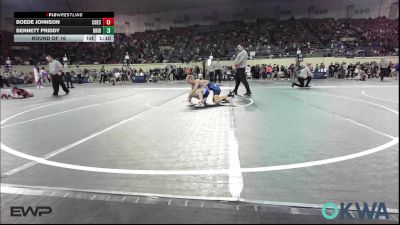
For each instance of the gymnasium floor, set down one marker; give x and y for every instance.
(334, 142)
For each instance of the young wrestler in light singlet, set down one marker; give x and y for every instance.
(204, 86)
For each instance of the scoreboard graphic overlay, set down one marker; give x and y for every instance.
(63, 26)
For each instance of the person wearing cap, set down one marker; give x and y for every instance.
(55, 71)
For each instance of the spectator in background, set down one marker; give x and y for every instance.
(331, 70)
(268, 72)
(384, 66)
(79, 74)
(248, 71)
(292, 72)
(257, 72)
(372, 36)
(283, 72)
(211, 72)
(28, 78)
(218, 70)
(86, 75)
(323, 69)
(344, 70)
(38, 78)
(275, 70)
(4, 80)
(67, 73)
(44, 75)
(103, 75)
(377, 70)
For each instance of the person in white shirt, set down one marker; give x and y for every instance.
(248, 71)
(240, 76)
(38, 78)
(305, 74)
(211, 72)
(79, 74)
(218, 70)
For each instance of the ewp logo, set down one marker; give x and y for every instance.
(365, 211)
(35, 211)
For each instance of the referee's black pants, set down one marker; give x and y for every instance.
(57, 81)
(240, 76)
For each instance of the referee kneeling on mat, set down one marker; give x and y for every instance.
(55, 71)
(305, 74)
(240, 76)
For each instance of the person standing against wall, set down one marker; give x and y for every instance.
(211, 71)
(68, 78)
(38, 78)
(218, 71)
(79, 74)
(240, 76)
(102, 75)
(384, 65)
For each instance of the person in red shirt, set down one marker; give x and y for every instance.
(268, 71)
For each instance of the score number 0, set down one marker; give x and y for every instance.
(108, 21)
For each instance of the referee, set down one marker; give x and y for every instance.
(240, 76)
(55, 71)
